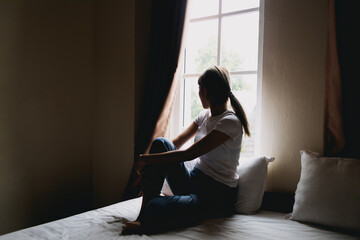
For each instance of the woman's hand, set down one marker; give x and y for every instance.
(139, 164)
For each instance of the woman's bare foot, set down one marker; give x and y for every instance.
(132, 227)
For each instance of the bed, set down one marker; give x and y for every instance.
(107, 222)
(314, 215)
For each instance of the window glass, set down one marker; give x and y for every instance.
(237, 5)
(202, 8)
(239, 42)
(192, 103)
(244, 87)
(201, 48)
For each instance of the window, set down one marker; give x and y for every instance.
(225, 33)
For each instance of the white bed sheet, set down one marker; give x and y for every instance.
(105, 223)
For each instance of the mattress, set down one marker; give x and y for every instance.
(107, 222)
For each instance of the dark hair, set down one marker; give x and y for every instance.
(216, 81)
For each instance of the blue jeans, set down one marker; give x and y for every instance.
(196, 195)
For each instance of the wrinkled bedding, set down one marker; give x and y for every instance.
(107, 222)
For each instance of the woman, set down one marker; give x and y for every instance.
(209, 189)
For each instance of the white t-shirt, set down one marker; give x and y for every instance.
(221, 162)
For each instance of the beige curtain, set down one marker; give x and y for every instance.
(334, 139)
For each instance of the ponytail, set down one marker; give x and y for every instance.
(240, 113)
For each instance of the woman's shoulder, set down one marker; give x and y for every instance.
(204, 114)
(229, 119)
(229, 124)
(230, 115)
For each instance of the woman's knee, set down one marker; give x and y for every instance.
(161, 145)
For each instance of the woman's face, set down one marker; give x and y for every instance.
(203, 97)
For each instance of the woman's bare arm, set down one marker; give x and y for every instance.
(185, 135)
(204, 145)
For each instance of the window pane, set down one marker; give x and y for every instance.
(192, 103)
(237, 5)
(239, 42)
(202, 8)
(244, 87)
(201, 46)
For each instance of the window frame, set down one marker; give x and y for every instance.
(177, 118)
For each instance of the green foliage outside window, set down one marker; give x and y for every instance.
(206, 58)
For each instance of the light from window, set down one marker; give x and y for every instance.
(225, 33)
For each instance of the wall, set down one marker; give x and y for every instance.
(114, 74)
(46, 97)
(66, 107)
(293, 86)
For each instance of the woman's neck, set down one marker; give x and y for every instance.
(217, 109)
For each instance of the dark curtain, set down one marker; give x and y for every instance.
(348, 88)
(167, 24)
(347, 23)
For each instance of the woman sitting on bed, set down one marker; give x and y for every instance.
(209, 189)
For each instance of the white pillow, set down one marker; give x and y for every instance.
(166, 190)
(328, 192)
(252, 178)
